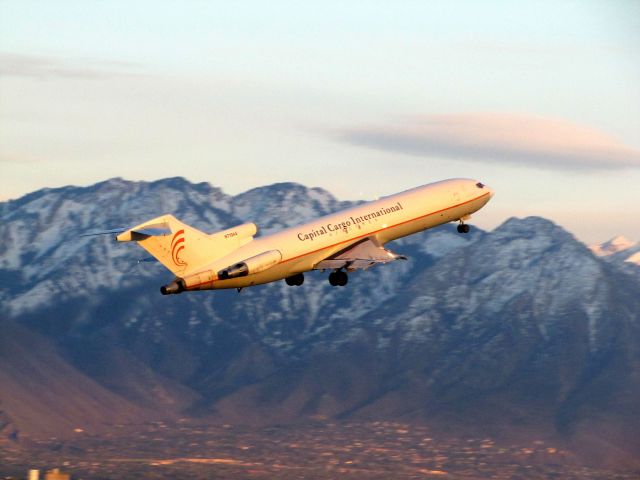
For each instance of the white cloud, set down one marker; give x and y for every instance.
(41, 67)
(501, 138)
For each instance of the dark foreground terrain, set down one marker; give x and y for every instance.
(318, 450)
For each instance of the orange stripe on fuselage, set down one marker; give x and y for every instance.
(192, 287)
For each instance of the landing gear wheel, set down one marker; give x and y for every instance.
(338, 278)
(295, 280)
(463, 228)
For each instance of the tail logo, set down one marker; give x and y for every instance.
(177, 245)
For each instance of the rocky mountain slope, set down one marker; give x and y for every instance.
(520, 329)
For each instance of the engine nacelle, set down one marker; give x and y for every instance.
(255, 264)
(172, 288)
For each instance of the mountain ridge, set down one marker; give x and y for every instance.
(523, 324)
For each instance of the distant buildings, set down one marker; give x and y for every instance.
(54, 474)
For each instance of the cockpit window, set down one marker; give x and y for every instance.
(480, 185)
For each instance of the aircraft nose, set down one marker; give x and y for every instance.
(486, 188)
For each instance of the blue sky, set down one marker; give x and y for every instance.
(541, 100)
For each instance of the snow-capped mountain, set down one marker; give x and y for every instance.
(610, 247)
(49, 262)
(519, 326)
(622, 253)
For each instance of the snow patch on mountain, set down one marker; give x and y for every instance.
(526, 266)
(621, 253)
(635, 259)
(443, 242)
(612, 246)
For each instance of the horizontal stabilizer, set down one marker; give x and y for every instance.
(103, 232)
(153, 232)
(143, 231)
(147, 231)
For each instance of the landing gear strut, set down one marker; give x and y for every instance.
(338, 278)
(463, 227)
(295, 280)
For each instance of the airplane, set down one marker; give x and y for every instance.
(341, 242)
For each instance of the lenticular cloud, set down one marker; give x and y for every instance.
(502, 138)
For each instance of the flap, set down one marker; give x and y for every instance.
(360, 255)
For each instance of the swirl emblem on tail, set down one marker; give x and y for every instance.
(177, 245)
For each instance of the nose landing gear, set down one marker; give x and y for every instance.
(463, 227)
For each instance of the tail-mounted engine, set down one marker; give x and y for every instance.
(255, 264)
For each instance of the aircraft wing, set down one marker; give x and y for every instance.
(360, 255)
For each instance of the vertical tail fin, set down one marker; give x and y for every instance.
(183, 249)
(175, 244)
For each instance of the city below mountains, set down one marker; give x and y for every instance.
(518, 333)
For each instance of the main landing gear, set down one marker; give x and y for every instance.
(463, 227)
(295, 280)
(338, 278)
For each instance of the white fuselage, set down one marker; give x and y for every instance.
(303, 247)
